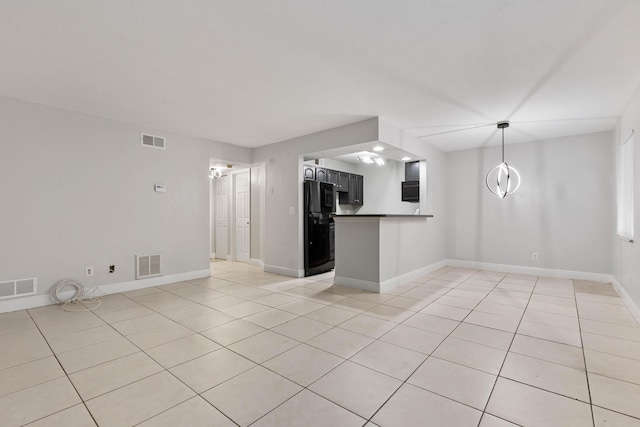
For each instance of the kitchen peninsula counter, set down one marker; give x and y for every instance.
(376, 252)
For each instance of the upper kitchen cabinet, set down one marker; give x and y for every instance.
(333, 176)
(309, 172)
(317, 173)
(321, 174)
(343, 181)
(412, 171)
(354, 196)
(359, 190)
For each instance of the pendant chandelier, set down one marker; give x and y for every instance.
(215, 173)
(503, 179)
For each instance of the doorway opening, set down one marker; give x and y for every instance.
(235, 212)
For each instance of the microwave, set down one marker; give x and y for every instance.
(411, 191)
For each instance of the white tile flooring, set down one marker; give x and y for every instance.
(454, 348)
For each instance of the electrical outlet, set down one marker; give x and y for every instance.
(112, 268)
(534, 256)
(88, 271)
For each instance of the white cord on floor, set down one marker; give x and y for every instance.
(92, 296)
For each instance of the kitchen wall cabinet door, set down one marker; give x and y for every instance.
(412, 171)
(354, 195)
(332, 176)
(309, 172)
(358, 190)
(321, 174)
(343, 181)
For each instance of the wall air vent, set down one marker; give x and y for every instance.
(147, 266)
(152, 141)
(18, 288)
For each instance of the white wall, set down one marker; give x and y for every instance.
(257, 217)
(626, 255)
(561, 211)
(77, 191)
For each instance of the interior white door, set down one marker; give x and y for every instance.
(243, 217)
(222, 217)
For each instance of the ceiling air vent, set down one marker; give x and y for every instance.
(152, 141)
(18, 288)
(147, 266)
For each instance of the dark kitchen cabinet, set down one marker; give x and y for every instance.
(309, 173)
(354, 196)
(343, 181)
(321, 174)
(349, 186)
(412, 171)
(359, 190)
(332, 176)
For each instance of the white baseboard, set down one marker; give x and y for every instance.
(45, 299)
(25, 302)
(283, 271)
(535, 271)
(364, 285)
(631, 305)
(407, 277)
(549, 272)
(257, 263)
(114, 288)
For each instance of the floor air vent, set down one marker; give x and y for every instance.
(147, 266)
(18, 288)
(152, 141)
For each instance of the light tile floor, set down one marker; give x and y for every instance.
(453, 348)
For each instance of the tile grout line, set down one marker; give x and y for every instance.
(431, 354)
(584, 357)
(257, 364)
(340, 364)
(484, 411)
(65, 373)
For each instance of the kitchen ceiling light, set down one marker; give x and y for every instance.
(404, 159)
(378, 148)
(369, 160)
(502, 177)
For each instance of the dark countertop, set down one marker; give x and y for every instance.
(382, 216)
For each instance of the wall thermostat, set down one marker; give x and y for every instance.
(160, 188)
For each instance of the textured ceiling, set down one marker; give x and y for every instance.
(253, 72)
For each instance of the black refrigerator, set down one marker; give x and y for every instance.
(319, 228)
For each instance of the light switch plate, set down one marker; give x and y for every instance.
(292, 210)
